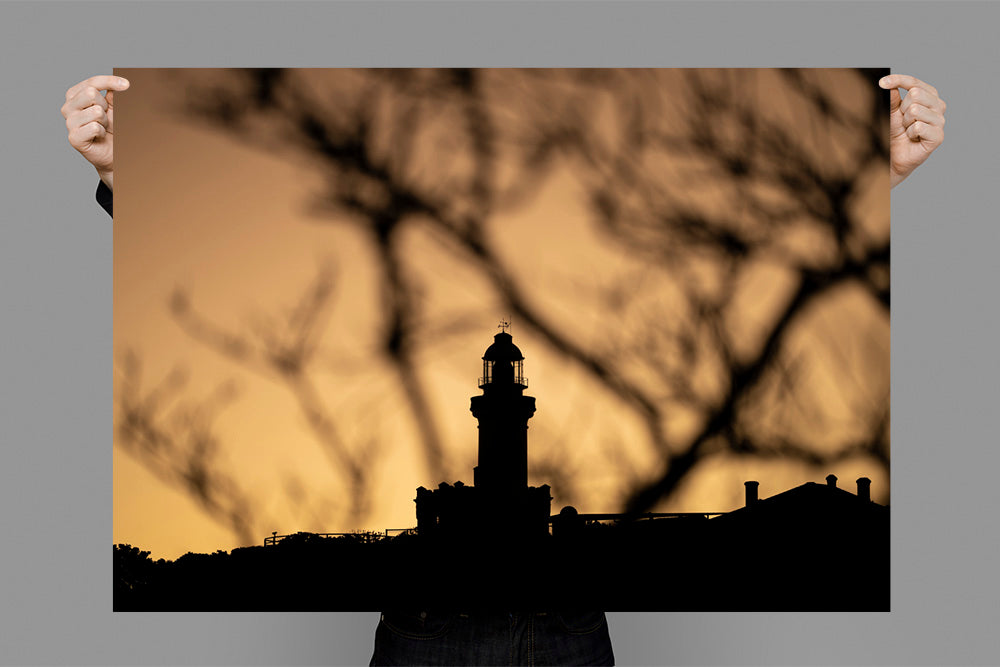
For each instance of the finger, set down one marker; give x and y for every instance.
(905, 82)
(80, 137)
(916, 112)
(894, 99)
(932, 135)
(88, 115)
(101, 82)
(86, 97)
(922, 96)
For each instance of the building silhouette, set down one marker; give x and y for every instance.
(810, 503)
(499, 503)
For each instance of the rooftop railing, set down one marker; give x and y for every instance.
(521, 380)
(646, 515)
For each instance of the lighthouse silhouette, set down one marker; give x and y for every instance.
(500, 503)
(503, 412)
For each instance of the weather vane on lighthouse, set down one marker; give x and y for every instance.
(504, 325)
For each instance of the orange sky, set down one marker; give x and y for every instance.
(229, 222)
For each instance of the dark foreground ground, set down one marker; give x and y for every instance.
(837, 563)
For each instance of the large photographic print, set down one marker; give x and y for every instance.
(493, 338)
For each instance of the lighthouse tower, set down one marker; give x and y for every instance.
(503, 412)
(499, 504)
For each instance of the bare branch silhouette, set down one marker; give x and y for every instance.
(702, 179)
(285, 350)
(174, 439)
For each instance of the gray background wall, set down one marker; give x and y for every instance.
(56, 273)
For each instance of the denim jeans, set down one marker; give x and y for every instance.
(518, 638)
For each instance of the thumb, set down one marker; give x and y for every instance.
(115, 83)
(894, 100)
(894, 97)
(111, 111)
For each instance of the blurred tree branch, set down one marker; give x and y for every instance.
(285, 350)
(705, 175)
(175, 441)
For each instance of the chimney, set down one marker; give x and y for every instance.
(831, 480)
(751, 492)
(865, 489)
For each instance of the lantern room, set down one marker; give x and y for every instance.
(503, 364)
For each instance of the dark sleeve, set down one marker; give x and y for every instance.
(104, 197)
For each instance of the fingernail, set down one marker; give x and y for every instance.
(123, 81)
(884, 82)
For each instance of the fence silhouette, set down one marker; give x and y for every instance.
(368, 536)
(363, 536)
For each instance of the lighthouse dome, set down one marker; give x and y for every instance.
(503, 349)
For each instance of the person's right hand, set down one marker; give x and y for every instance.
(916, 124)
(90, 121)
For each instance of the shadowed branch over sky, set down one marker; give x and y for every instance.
(737, 296)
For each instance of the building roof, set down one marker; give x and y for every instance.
(810, 500)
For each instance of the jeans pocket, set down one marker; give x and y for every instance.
(417, 625)
(580, 622)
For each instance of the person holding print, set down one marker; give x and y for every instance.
(916, 129)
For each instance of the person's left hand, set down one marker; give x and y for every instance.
(916, 124)
(90, 121)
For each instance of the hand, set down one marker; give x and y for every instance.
(916, 126)
(90, 121)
